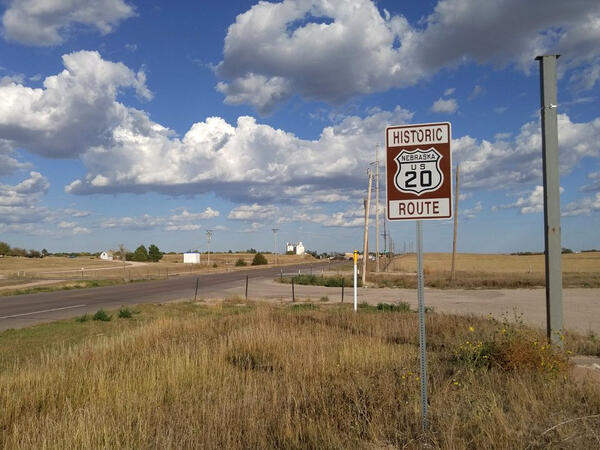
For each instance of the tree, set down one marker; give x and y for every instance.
(4, 248)
(122, 252)
(17, 251)
(154, 254)
(33, 254)
(45, 252)
(140, 254)
(259, 260)
(240, 262)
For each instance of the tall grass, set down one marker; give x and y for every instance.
(244, 376)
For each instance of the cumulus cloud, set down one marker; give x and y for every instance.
(531, 203)
(43, 22)
(19, 204)
(8, 163)
(248, 162)
(75, 110)
(471, 213)
(444, 105)
(253, 213)
(594, 177)
(503, 164)
(583, 207)
(180, 220)
(331, 50)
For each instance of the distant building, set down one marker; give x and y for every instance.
(106, 256)
(296, 249)
(191, 258)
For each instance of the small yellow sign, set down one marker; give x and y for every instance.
(355, 256)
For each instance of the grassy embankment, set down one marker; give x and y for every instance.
(263, 376)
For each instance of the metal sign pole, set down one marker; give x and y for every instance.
(421, 297)
(355, 281)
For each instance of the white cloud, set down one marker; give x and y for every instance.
(74, 212)
(345, 219)
(447, 106)
(476, 92)
(9, 164)
(75, 110)
(254, 212)
(43, 22)
(19, 204)
(583, 207)
(471, 213)
(530, 204)
(332, 50)
(66, 225)
(449, 92)
(505, 164)
(594, 185)
(181, 220)
(123, 150)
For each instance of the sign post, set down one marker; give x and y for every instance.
(419, 187)
(355, 256)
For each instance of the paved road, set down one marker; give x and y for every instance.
(24, 310)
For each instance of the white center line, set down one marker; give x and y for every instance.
(43, 311)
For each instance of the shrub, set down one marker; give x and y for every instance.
(240, 262)
(512, 347)
(259, 260)
(324, 299)
(125, 313)
(215, 265)
(83, 318)
(398, 307)
(102, 316)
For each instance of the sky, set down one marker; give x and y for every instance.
(135, 122)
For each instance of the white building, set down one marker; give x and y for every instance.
(191, 258)
(106, 256)
(296, 249)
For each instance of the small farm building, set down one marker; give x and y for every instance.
(191, 258)
(106, 256)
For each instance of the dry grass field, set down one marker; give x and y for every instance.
(489, 271)
(92, 268)
(239, 375)
(588, 262)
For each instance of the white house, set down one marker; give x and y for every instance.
(191, 258)
(296, 249)
(106, 256)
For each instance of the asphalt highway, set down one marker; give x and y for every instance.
(23, 310)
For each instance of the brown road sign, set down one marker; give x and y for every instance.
(419, 171)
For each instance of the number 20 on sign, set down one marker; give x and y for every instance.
(419, 168)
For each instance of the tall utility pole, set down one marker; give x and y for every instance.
(366, 237)
(455, 224)
(377, 208)
(275, 230)
(385, 247)
(209, 234)
(552, 239)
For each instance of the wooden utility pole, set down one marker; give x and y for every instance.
(452, 270)
(366, 236)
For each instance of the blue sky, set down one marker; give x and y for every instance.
(151, 122)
